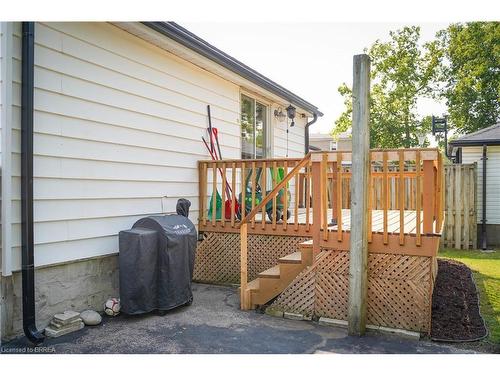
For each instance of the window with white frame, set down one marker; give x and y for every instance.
(254, 128)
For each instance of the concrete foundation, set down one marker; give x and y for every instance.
(78, 286)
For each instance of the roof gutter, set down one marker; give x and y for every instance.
(306, 132)
(458, 143)
(27, 251)
(195, 43)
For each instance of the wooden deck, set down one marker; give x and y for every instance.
(405, 200)
(404, 222)
(393, 226)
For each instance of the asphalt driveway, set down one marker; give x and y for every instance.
(214, 324)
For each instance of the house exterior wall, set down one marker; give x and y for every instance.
(344, 144)
(474, 155)
(323, 143)
(118, 125)
(117, 136)
(296, 142)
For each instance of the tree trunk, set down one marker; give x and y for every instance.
(407, 128)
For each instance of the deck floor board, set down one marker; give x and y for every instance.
(393, 225)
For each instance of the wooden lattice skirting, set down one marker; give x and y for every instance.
(399, 290)
(218, 255)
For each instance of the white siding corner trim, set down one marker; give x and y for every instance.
(6, 142)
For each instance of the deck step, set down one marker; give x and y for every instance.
(294, 258)
(253, 285)
(271, 273)
(273, 281)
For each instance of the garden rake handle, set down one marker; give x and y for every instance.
(229, 191)
(216, 134)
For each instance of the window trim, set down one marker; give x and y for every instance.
(268, 131)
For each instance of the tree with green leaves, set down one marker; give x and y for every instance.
(470, 74)
(401, 72)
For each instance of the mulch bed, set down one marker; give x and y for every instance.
(455, 304)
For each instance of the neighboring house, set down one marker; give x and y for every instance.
(119, 111)
(325, 142)
(344, 141)
(470, 149)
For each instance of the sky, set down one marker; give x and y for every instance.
(310, 59)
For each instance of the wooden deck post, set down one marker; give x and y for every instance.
(428, 206)
(358, 255)
(316, 206)
(244, 267)
(335, 196)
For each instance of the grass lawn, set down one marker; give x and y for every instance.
(486, 267)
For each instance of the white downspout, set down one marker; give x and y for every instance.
(6, 145)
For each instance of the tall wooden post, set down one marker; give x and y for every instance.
(358, 255)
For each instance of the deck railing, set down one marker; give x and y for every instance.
(232, 189)
(398, 177)
(405, 197)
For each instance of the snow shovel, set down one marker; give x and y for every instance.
(228, 203)
(218, 207)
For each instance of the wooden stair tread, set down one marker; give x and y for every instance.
(274, 280)
(253, 285)
(271, 273)
(295, 258)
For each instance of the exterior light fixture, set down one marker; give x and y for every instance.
(290, 111)
(440, 125)
(421, 136)
(279, 114)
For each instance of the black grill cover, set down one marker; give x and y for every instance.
(138, 270)
(173, 266)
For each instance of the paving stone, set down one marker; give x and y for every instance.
(59, 323)
(54, 332)
(66, 316)
(57, 326)
(395, 331)
(332, 322)
(274, 312)
(293, 316)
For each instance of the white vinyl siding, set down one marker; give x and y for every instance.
(296, 141)
(117, 136)
(118, 125)
(474, 154)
